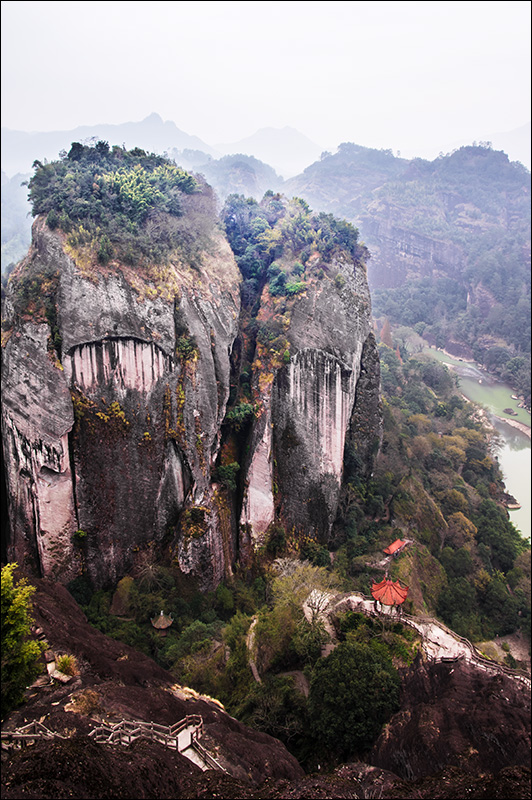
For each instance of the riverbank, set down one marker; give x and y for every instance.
(519, 425)
(484, 389)
(513, 450)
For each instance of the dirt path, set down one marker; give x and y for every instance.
(250, 644)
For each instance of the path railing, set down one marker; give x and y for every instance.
(22, 737)
(125, 732)
(474, 657)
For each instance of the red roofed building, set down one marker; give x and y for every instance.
(389, 593)
(395, 547)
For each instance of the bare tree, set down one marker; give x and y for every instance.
(300, 584)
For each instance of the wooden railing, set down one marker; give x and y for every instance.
(474, 656)
(124, 732)
(207, 757)
(22, 737)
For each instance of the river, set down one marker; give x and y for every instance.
(514, 455)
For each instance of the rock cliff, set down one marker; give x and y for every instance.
(314, 397)
(116, 384)
(460, 732)
(106, 441)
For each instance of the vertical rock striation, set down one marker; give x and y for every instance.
(120, 434)
(116, 383)
(296, 465)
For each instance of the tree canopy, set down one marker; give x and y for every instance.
(107, 196)
(353, 692)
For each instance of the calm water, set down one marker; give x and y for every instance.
(515, 454)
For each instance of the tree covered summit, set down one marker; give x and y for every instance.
(122, 203)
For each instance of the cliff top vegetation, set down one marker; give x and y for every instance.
(121, 203)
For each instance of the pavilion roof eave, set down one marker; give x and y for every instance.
(389, 593)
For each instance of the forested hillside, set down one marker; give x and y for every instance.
(435, 485)
(450, 245)
(199, 427)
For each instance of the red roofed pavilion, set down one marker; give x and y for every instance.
(389, 593)
(394, 547)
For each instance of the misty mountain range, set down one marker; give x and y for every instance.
(278, 159)
(285, 149)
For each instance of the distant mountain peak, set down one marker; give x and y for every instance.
(154, 118)
(20, 149)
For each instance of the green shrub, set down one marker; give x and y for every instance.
(226, 473)
(224, 601)
(67, 664)
(353, 692)
(275, 707)
(278, 285)
(276, 541)
(339, 281)
(20, 653)
(295, 288)
(237, 416)
(105, 250)
(53, 219)
(79, 536)
(186, 347)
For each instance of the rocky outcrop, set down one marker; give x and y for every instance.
(439, 726)
(399, 255)
(457, 726)
(37, 417)
(116, 682)
(307, 403)
(107, 440)
(115, 389)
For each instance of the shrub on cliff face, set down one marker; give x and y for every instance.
(239, 415)
(67, 664)
(20, 654)
(226, 473)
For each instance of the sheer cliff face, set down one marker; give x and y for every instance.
(114, 392)
(296, 465)
(106, 446)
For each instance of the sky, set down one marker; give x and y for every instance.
(399, 75)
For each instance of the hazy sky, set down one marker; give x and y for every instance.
(381, 74)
